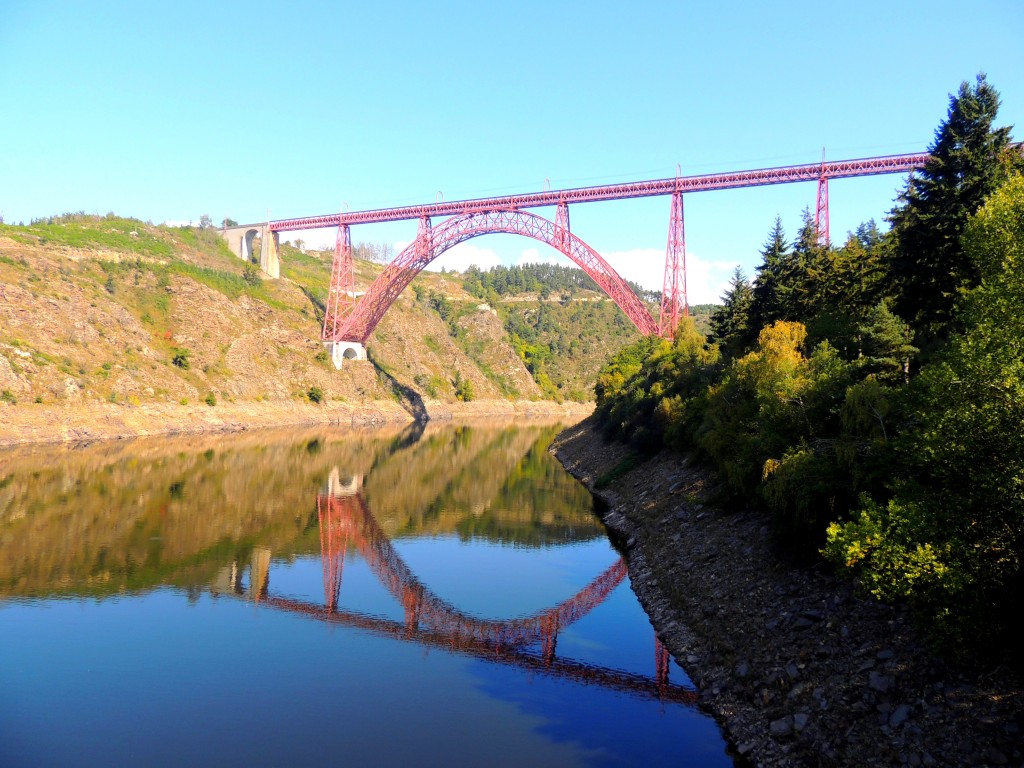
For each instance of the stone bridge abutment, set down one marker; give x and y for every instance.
(240, 241)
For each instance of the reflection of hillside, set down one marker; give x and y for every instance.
(488, 483)
(127, 515)
(133, 515)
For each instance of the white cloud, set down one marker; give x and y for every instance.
(316, 239)
(705, 280)
(533, 256)
(461, 256)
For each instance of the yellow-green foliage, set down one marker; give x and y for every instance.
(955, 535)
(898, 447)
(873, 539)
(651, 390)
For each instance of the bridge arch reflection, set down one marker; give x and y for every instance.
(345, 521)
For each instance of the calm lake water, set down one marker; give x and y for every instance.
(439, 596)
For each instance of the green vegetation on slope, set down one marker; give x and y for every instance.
(544, 280)
(896, 447)
(109, 309)
(563, 345)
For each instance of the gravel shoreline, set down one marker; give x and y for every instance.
(795, 667)
(31, 423)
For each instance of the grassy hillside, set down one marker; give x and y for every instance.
(107, 309)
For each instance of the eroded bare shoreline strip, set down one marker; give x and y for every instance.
(796, 668)
(21, 425)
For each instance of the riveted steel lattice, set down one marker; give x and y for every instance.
(347, 319)
(341, 297)
(432, 242)
(673, 293)
(426, 610)
(868, 166)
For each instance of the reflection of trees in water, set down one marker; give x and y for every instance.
(501, 485)
(133, 515)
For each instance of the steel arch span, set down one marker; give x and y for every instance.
(431, 243)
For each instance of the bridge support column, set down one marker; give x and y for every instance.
(673, 293)
(259, 573)
(340, 351)
(412, 602)
(341, 296)
(240, 242)
(333, 545)
(821, 211)
(549, 639)
(562, 230)
(425, 239)
(270, 254)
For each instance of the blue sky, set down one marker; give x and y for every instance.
(169, 111)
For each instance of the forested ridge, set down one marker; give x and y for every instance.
(543, 279)
(871, 394)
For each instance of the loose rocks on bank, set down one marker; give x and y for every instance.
(797, 668)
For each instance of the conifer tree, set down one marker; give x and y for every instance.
(885, 345)
(767, 301)
(808, 274)
(730, 322)
(969, 159)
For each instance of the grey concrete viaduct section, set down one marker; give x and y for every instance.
(240, 242)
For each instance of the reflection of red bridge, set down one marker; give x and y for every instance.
(587, 674)
(429, 620)
(345, 519)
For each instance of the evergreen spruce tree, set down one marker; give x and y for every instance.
(769, 288)
(969, 159)
(867, 234)
(808, 274)
(730, 322)
(885, 345)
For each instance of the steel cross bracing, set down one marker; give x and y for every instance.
(432, 242)
(334, 537)
(517, 656)
(673, 295)
(349, 320)
(821, 210)
(868, 166)
(341, 296)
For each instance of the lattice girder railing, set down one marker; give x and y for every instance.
(836, 169)
(431, 243)
(588, 674)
